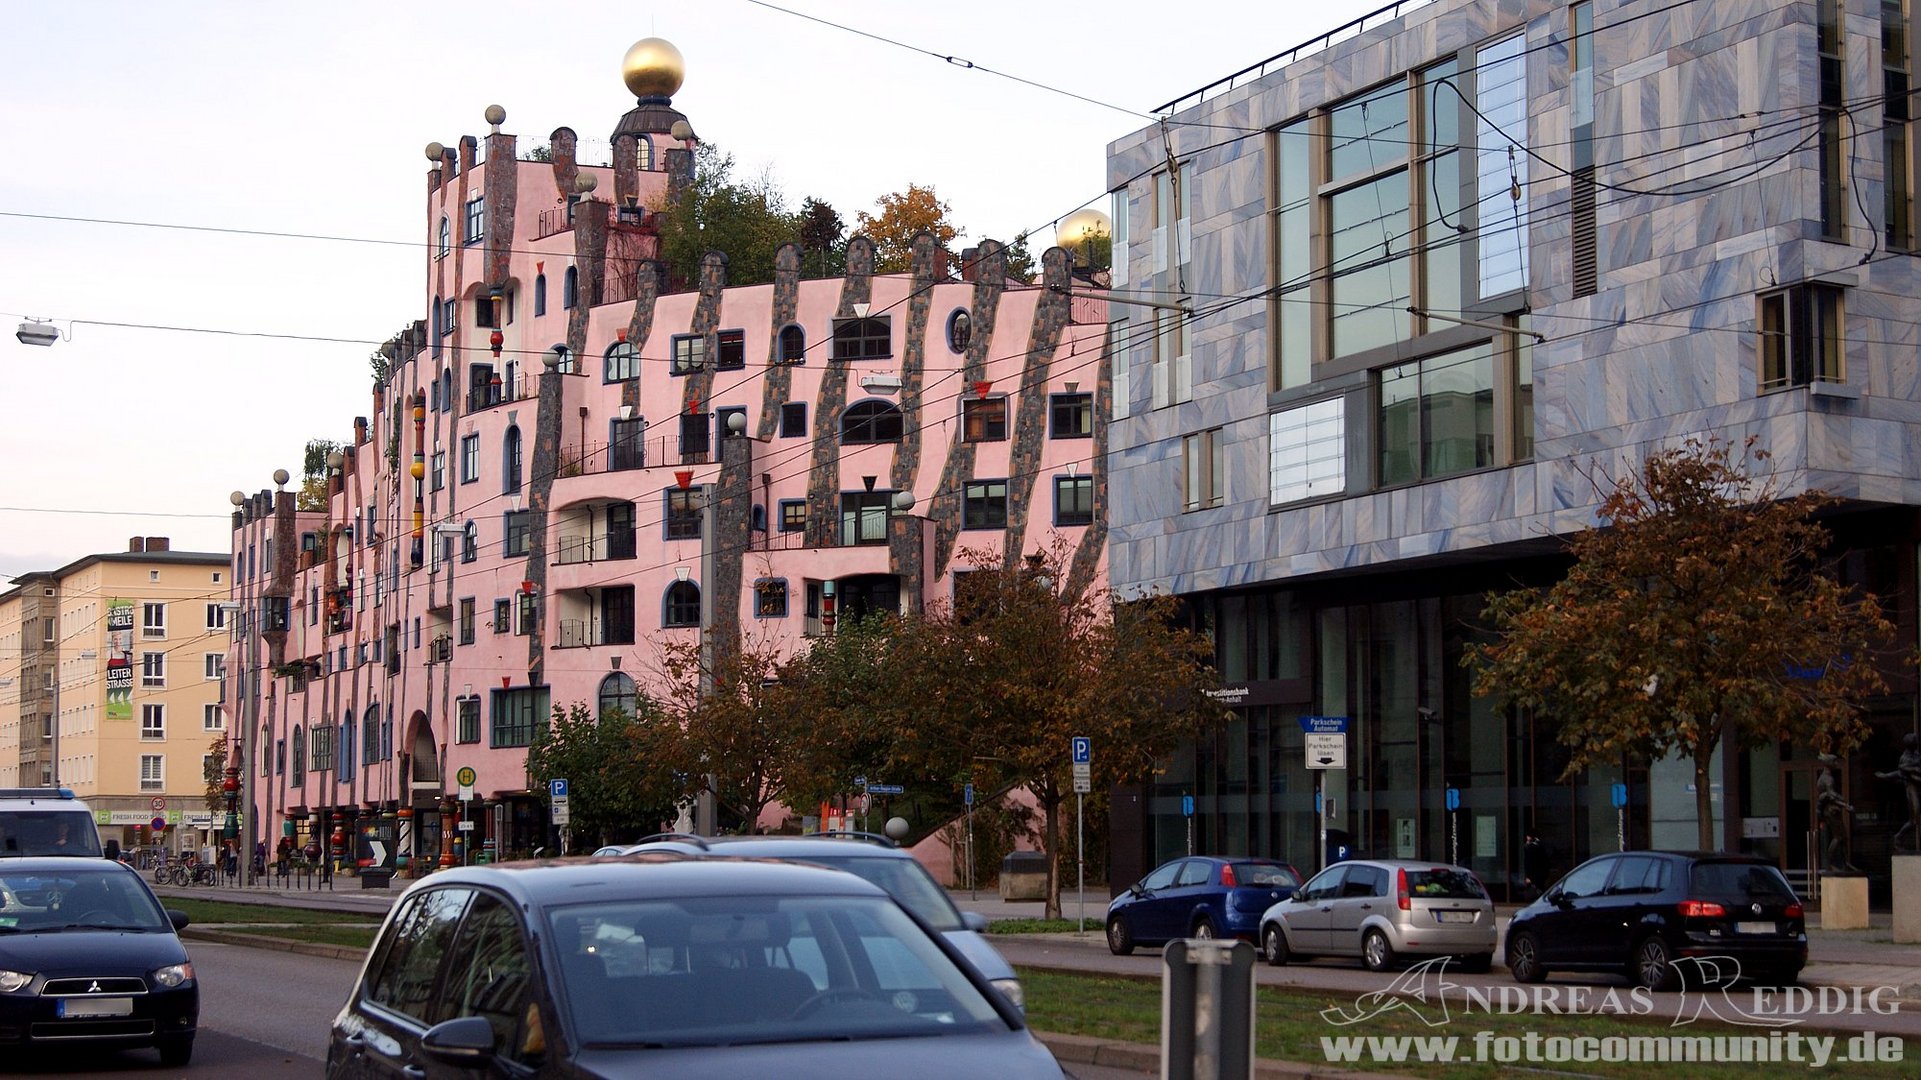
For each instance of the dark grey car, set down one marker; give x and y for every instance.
(664, 966)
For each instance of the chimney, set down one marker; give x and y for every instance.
(136, 543)
(968, 256)
(158, 543)
(360, 430)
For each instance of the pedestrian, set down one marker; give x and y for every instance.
(229, 861)
(260, 858)
(1533, 867)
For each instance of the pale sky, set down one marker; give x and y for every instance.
(311, 119)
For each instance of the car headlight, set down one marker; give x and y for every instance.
(13, 980)
(1011, 988)
(174, 975)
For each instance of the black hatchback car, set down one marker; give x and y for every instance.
(665, 966)
(1664, 918)
(89, 958)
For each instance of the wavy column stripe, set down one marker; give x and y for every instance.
(1051, 313)
(823, 475)
(990, 279)
(779, 380)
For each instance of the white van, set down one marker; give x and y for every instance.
(46, 821)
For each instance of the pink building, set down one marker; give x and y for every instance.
(568, 463)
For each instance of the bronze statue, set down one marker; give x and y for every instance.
(1909, 773)
(1832, 811)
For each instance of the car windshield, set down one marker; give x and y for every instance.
(1745, 882)
(49, 832)
(1262, 875)
(1443, 883)
(84, 899)
(706, 971)
(906, 880)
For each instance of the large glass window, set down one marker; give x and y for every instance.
(984, 419)
(517, 528)
(1896, 114)
(626, 446)
(1437, 416)
(1073, 500)
(517, 714)
(1307, 451)
(683, 513)
(617, 615)
(1800, 337)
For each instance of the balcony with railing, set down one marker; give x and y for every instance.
(594, 546)
(587, 459)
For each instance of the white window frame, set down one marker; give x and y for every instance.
(153, 670)
(153, 721)
(216, 618)
(153, 772)
(150, 627)
(211, 718)
(214, 665)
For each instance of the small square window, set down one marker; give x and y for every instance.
(519, 525)
(793, 515)
(731, 350)
(984, 419)
(690, 353)
(770, 598)
(793, 420)
(1073, 500)
(503, 615)
(683, 513)
(1072, 416)
(984, 505)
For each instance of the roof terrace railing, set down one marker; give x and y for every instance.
(1346, 30)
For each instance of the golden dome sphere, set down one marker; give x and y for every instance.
(653, 68)
(1075, 228)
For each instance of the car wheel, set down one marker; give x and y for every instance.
(1203, 928)
(1376, 953)
(1120, 940)
(176, 1052)
(1524, 959)
(1274, 945)
(1477, 963)
(1652, 966)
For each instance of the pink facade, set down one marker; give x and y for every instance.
(568, 463)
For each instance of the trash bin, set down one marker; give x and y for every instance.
(376, 877)
(1024, 876)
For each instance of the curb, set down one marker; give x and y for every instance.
(261, 941)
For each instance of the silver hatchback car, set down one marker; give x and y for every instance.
(1382, 911)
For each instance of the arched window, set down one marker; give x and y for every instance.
(793, 344)
(540, 294)
(370, 736)
(570, 288)
(617, 692)
(299, 744)
(344, 749)
(623, 362)
(510, 460)
(446, 238)
(871, 422)
(434, 340)
(447, 388)
(644, 152)
(683, 605)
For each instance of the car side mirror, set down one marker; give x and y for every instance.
(975, 921)
(1136, 890)
(1298, 895)
(178, 919)
(465, 1042)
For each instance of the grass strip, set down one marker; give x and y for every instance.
(1288, 1026)
(203, 912)
(1041, 926)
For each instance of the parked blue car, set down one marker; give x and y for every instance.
(1199, 896)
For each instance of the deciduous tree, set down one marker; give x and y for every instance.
(1699, 616)
(746, 220)
(901, 215)
(739, 725)
(313, 474)
(618, 768)
(823, 239)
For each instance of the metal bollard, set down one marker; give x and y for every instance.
(1207, 1010)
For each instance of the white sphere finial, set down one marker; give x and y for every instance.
(897, 828)
(436, 153)
(496, 116)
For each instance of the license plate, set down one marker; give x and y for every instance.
(1454, 916)
(69, 1007)
(1755, 928)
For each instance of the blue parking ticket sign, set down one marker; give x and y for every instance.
(1083, 749)
(1324, 725)
(557, 788)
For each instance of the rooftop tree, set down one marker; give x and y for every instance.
(1700, 615)
(900, 216)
